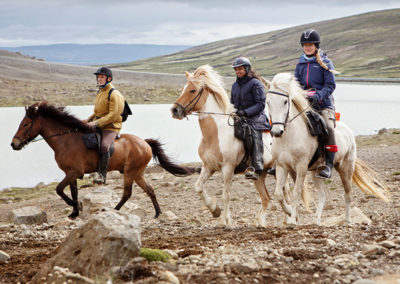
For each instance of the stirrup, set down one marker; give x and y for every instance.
(99, 178)
(271, 171)
(250, 173)
(324, 172)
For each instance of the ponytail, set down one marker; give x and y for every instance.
(323, 65)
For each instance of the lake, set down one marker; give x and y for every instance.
(365, 108)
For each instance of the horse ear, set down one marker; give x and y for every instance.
(26, 108)
(187, 74)
(266, 83)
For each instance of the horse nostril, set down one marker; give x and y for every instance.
(12, 144)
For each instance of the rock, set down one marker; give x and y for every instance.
(40, 185)
(364, 281)
(388, 244)
(4, 257)
(64, 275)
(173, 254)
(170, 215)
(382, 131)
(330, 243)
(373, 249)
(332, 270)
(28, 215)
(107, 239)
(357, 217)
(100, 198)
(170, 277)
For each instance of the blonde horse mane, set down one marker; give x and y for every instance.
(206, 76)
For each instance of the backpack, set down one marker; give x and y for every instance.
(127, 110)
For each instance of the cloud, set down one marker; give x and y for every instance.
(160, 21)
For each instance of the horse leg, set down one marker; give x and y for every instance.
(260, 220)
(319, 183)
(281, 183)
(211, 203)
(69, 178)
(143, 184)
(74, 194)
(346, 170)
(227, 173)
(298, 187)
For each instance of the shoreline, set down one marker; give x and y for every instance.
(386, 137)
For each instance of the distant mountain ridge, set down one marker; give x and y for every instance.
(95, 54)
(365, 45)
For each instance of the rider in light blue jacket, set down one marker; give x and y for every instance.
(316, 74)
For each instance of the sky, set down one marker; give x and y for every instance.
(172, 22)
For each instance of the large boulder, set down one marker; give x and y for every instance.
(28, 215)
(109, 238)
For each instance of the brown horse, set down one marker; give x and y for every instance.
(63, 132)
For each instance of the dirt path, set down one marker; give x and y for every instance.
(211, 253)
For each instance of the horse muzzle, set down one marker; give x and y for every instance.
(277, 132)
(16, 144)
(177, 112)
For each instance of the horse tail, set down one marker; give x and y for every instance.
(165, 162)
(368, 181)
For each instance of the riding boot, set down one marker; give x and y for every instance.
(257, 161)
(272, 171)
(103, 165)
(326, 172)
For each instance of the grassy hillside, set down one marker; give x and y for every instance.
(365, 45)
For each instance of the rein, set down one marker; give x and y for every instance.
(57, 134)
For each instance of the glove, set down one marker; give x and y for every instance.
(312, 100)
(241, 113)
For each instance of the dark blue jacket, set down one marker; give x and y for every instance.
(248, 94)
(311, 75)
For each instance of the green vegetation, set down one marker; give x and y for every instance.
(16, 194)
(364, 45)
(154, 255)
(390, 138)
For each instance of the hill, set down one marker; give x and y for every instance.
(364, 45)
(95, 54)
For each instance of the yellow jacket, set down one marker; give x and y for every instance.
(107, 113)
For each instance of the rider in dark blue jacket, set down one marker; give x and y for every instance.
(248, 97)
(315, 73)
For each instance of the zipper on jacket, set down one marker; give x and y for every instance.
(308, 68)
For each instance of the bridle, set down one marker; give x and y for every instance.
(286, 122)
(195, 100)
(24, 141)
(27, 132)
(287, 113)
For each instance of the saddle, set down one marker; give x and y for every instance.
(317, 127)
(92, 141)
(242, 131)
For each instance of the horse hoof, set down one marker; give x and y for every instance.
(157, 215)
(216, 213)
(73, 215)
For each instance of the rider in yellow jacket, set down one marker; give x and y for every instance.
(106, 116)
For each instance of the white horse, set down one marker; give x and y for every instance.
(293, 148)
(219, 149)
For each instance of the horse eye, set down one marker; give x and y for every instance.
(25, 125)
(193, 91)
(285, 103)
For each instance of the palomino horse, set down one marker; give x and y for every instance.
(219, 149)
(63, 132)
(293, 148)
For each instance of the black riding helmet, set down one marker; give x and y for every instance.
(242, 61)
(311, 36)
(104, 71)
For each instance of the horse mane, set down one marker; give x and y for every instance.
(206, 76)
(59, 114)
(288, 83)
